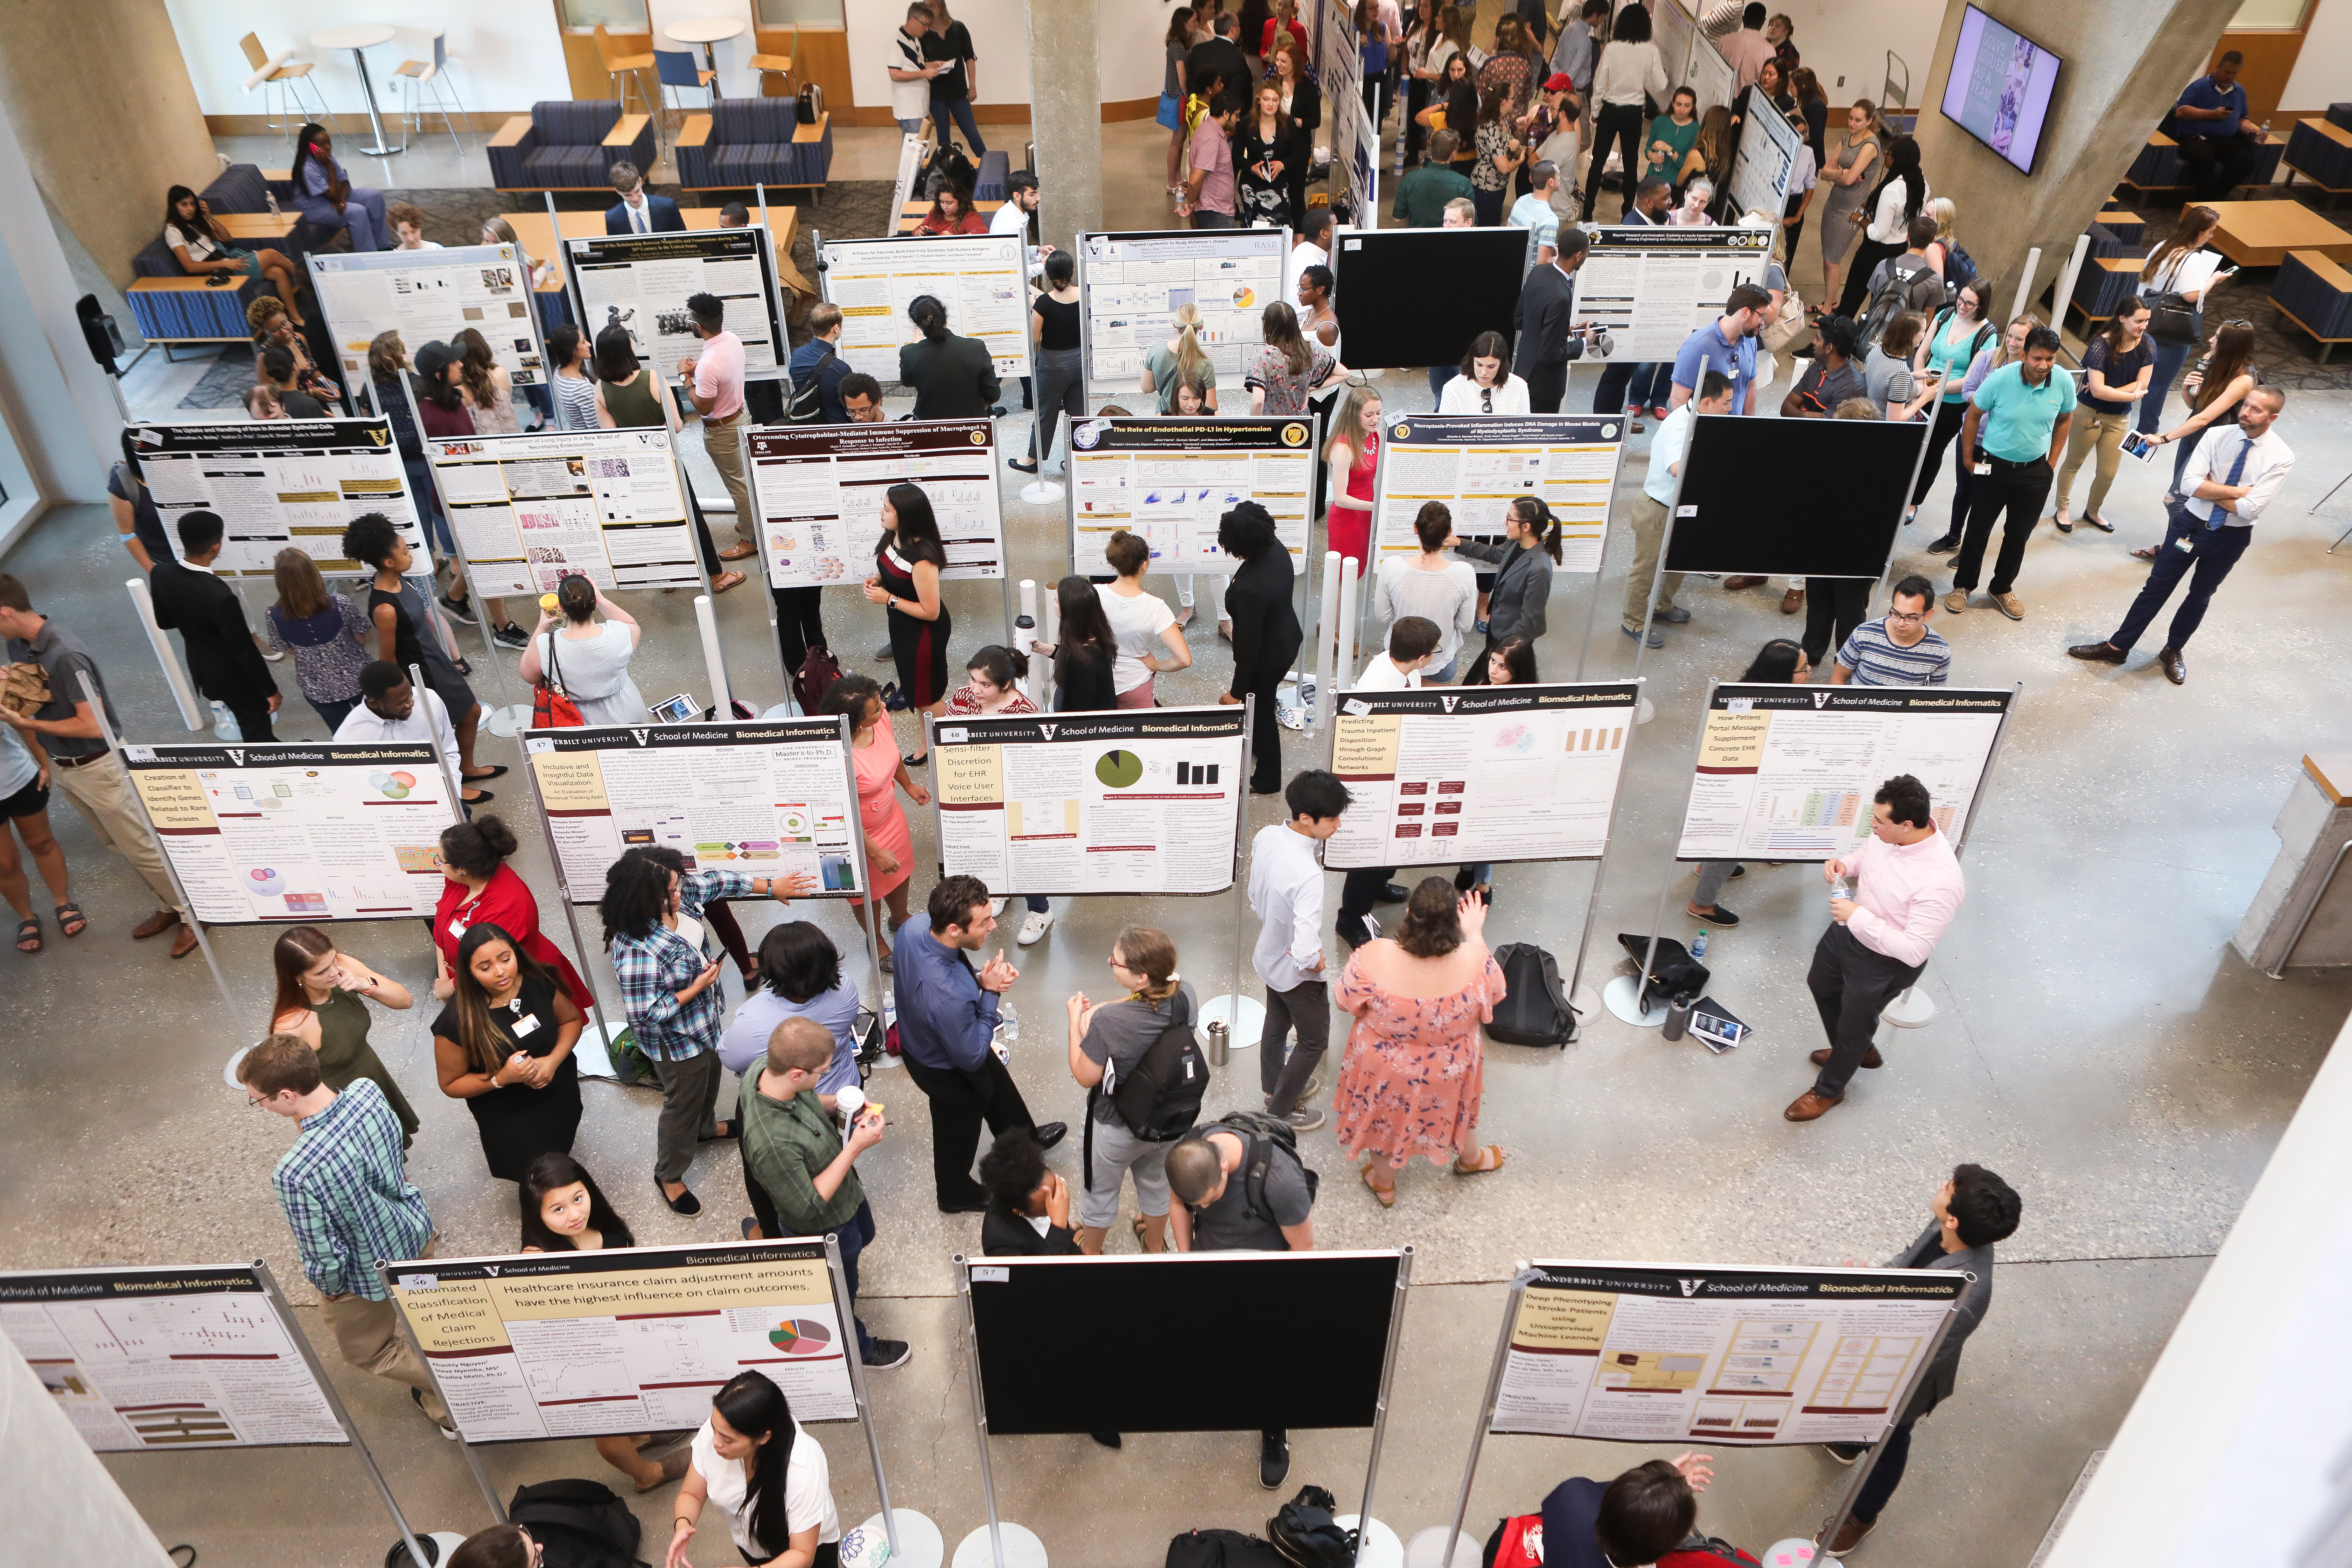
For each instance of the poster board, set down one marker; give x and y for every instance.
(902, 185)
(1786, 773)
(278, 482)
(1353, 138)
(1450, 776)
(297, 833)
(1145, 800)
(583, 1344)
(1674, 31)
(983, 279)
(1710, 75)
(531, 510)
(641, 281)
(1653, 287)
(1764, 163)
(819, 488)
(143, 1360)
(1171, 480)
(1725, 523)
(429, 296)
(1390, 317)
(766, 797)
(1634, 1353)
(1131, 285)
(1478, 464)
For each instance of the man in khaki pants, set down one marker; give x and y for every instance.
(714, 380)
(1667, 451)
(80, 765)
(350, 1203)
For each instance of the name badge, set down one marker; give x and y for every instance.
(457, 928)
(1981, 469)
(523, 1024)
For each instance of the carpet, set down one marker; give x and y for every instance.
(224, 384)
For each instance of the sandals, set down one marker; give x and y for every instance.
(28, 934)
(71, 921)
(2146, 552)
(1490, 1158)
(673, 1467)
(1387, 1194)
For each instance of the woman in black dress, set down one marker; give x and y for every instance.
(907, 566)
(1265, 154)
(503, 1045)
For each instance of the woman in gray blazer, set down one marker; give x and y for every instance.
(953, 377)
(1522, 591)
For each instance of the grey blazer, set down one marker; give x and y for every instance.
(1928, 1252)
(1522, 591)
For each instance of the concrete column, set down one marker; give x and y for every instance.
(62, 1505)
(1066, 118)
(2125, 63)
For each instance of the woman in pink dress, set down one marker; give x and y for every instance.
(1414, 1067)
(881, 773)
(1354, 452)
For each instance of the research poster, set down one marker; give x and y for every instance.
(1478, 464)
(1130, 287)
(641, 282)
(1652, 288)
(281, 482)
(1674, 29)
(1349, 134)
(429, 296)
(1143, 801)
(531, 510)
(819, 488)
(1764, 164)
(1171, 480)
(296, 832)
(583, 1344)
(1449, 775)
(1719, 1354)
(160, 1358)
(1787, 772)
(983, 279)
(766, 797)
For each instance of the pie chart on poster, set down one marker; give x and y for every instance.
(799, 1336)
(1118, 769)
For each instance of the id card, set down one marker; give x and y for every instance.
(523, 1024)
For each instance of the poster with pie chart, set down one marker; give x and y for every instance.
(1119, 769)
(802, 1336)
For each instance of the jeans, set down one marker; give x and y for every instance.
(689, 1098)
(960, 109)
(1305, 1007)
(1439, 374)
(1852, 984)
(332, 714)
(363, 213)
(1887, 1475)
(2189, 547)
(1205, 218)
(913, 127)
(1627, 386)
(428, 506)
(2018, 488)
(1488, 207)
(853, 1234)
(2170, 358)
(1623, 122)
(1061, 389)
(2188, 445)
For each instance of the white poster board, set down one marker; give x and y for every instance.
(1711, 76)
(1146, 799)
(429, 296)
(151, 1359)
(531, 510)
(1674, 32)
(1765, 163)
(1478, 464)
(1132, 285)
(983, 279)
(276, 483)
(765, 797)
(1719, 1353)
(819, 488)
(581, 1344)
(902, 186)
(1347, 129)
(1786, 773)
(1652, 288)
(1171, 480)
(641, 282)
(297, 833)
(1451, 776)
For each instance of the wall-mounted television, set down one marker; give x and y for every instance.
(1998, 91)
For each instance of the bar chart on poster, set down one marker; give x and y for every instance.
(275, 483)
(1172, 480)
(1478, 465)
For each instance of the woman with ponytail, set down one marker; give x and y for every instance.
(1109, 1040)
(1179, 361)
(765, 1475)
(953, 377)
(1515, 606)
(1901, 194)
(992, 688)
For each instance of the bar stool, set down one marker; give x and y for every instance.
(417, 77)
(622, 69)
(778, 65)
(288, 76)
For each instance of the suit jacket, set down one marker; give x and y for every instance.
(1546, 311)
(1003, 1234)
(1306, 104)
(953, 379)
(1266, 628)
(1934, 1385)
(663, 215)
(211, 624)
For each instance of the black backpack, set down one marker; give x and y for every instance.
(1675, 972)
(1910, 285)
(1535, 1009)
(1160, 1098)
(1262, 1133)
(1306, 1534)
(1222, 1548)
(948, 162)
(578, 1524)
(807, 408)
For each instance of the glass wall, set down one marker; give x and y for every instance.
(797, 13)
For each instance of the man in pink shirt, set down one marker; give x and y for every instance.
(1209, 199)
(1747, 48)
(714, 379)
(1906, 889)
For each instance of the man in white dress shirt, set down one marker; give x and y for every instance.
(394, 709)
(1286, 893)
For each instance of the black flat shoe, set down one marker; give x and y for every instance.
(2101, 523)
(916, 761)
(1945, 546)
(1049, 1133)
(495, 771)
(1107, 1439)
(1020, 467)
(1722, 916)
(686, 1203)
(1392, 893)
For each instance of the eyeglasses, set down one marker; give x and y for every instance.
(2248, 325)
(1907, 620)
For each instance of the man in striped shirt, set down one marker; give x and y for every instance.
(1898, 650)
(349, 1203)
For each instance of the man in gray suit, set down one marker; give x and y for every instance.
(1973, 1210)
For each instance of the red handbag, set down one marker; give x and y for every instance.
(550, 708)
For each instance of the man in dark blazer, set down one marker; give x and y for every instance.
(1973, 1209)
(1021, 1192)
(205, 611)
(952, 377)
(1266, 635)
(1546, 323)
(639, 211)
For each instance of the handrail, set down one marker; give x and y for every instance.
(1890, 96)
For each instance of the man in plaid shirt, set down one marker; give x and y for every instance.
(349, 1203)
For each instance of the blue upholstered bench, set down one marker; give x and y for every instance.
(569, 145)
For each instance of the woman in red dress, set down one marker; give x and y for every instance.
(483, 889)
(1354, 454)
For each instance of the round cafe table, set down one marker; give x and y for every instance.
(707, 31)
(359, 38)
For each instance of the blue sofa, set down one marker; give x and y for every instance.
(747, 141)
(569, 145)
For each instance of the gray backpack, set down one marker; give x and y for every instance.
(1910, 284)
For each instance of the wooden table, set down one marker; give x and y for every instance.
(360, 37)
(538, 237)
(914, 213)
(2260, 234)
(707, 31)
(257, 226)
(2333, 132)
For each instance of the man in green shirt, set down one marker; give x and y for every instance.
(802, 1176)
(1422, 194)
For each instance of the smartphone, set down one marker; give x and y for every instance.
(676, 709)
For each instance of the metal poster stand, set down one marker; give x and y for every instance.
(882, 996)
(506, 719)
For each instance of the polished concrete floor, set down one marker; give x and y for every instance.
(2096, 1041)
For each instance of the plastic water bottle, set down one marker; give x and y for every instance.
(1841, 888)
(1698, 945)
(271, 192)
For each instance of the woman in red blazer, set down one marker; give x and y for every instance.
(483, 888)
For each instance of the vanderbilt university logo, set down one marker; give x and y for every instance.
(237, 757)
(1449, 701)
(1821, 699)
(1690, 1286)
(1046, 730)
(639, 735)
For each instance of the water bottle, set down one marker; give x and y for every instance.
(1842, 889)
(1698, 945)
(271, 191)
(1220, 1044)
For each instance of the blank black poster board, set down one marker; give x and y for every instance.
(1177, 1344)
(1416, 297)
(1739, 513)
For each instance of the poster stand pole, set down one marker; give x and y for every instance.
(1600, 870)
(1831, 1525)
(1345, 659)
(845, 1310)
(1040, 492)
(194, 712)
(1233, 1009)
(1622, 995)
(714, 663)
(866, 883)
(277, 1304)
(1592, 610)
(506, 720)
(1364, 1520)
(465, 1447)
(1318, 714)
(1427, 1549)
(1658, 573)
(1914, 1008)
(602, 1019)
(1028, 1551)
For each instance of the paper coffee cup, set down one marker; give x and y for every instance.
(850, 1101)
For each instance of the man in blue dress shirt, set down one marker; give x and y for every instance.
(2217, 139)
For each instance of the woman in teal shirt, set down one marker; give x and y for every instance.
(1950, 346)
(1671, 135)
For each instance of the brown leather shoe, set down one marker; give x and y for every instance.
(1809, 1105)
(741, 549)
(1734, 584)
(186, 942)
(1870, 1058)
(2175, 667)
(1850, 1535)
(155, 924)
(1792, 601)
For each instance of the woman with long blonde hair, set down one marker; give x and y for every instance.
(1180, 359)
(1354, 454)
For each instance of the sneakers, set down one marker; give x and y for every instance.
(460, 610)
(889, 1354)
(996, 906)
(1273, 1461)
(1673, 615)
(510, 636)
(2009, 605)
(1306, 1118)
(1956, 601)
(1033, 927)
(1657, 639)
(416, 1396)
(885, 654)
(1946, 545)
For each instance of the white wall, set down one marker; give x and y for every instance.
(1130, 31)
(2322, 71)
(503, 58)
(1850, 38)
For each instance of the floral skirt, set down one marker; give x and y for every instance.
(1403, 1097)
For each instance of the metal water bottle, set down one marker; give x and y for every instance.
(1220, 1043)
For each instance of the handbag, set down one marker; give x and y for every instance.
(2173, 317)
(1783, 330)
(550, 708)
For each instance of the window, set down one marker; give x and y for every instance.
(802, 13)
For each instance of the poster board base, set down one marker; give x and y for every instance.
(1041, 492)
(1623, 997)
(507, 722)
(1427, 1550)
(1244, 1017)
(920, 1544)
(1022, 1547)
(437, 1546)
(1379, 1547)
(1912, 1010)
